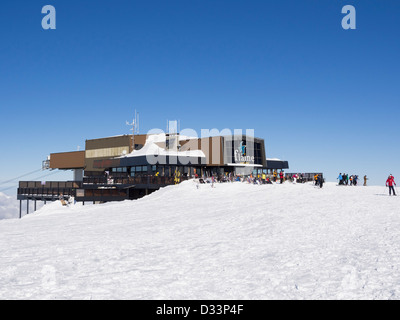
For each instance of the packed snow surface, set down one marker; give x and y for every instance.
(234, 241)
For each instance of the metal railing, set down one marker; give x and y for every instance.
(54, 189)
(50, 184)
(138, 180)
(50, 189)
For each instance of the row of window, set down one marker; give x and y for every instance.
(133, 169)
(169, 170)
(158, 170)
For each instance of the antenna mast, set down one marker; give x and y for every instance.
(135, 129)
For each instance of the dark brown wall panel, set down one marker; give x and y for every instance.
(67, 160)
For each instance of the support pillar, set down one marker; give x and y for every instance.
(27, 206)
(20, 209)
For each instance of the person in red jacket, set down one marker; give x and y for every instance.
(389, 183)
(281, 176)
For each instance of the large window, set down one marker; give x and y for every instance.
(257, 153)
(138, 170)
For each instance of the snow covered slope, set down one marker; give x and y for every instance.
(235, 241)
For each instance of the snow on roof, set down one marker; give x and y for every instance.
(151, 148)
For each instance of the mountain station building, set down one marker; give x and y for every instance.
(131, 166)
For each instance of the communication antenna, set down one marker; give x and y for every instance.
(137, 123)
(135, 128)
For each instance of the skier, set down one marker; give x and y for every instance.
(275, 175)
(340, 178)
(365, 180)
(389, 183)
(345, 179)
(281, 176)
(320, 181)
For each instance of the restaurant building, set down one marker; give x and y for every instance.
(131, 166)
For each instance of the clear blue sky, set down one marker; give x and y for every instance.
(323, 98)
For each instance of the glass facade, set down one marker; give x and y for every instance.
(243, 151)
(138, 170)
(241, 155)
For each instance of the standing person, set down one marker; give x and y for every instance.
(316, 179)
(355, 180)
(320, 181)
(389, 183)
(275, 174)
(346, 178)
(212, 181)
(340, 178)
(281, 176)
(365, 180)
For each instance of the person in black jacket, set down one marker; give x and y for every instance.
(320, 181)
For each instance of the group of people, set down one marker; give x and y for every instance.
(344, 179)
(281, 176)
(352, 180)
(318, 180)
(261, 178)
(297, 177)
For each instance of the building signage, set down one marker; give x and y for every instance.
(241, 155)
